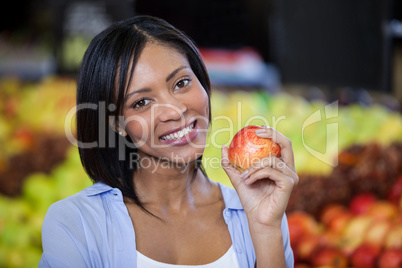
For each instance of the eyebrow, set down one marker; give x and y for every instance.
(170, 76)
(144, 90)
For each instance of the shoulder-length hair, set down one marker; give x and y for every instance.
(104, 76)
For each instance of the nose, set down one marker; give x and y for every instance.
(170, 109)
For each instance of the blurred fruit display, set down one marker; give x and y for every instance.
(38, 165)
(345, 212)
(365, 232)
(355, 212)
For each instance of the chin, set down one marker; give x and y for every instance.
(186, 157)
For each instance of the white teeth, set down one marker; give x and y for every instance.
(179, 134)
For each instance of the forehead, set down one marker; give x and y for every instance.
(157, 56)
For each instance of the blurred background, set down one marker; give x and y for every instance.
(340, 60)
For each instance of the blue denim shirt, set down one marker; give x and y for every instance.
(93, 229)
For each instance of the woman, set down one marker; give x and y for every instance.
(142, 118)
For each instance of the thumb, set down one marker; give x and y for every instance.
(231, 171)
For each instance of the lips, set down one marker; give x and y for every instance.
(178, 132)
(180, 136)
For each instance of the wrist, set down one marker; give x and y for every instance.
(268, 246)
(264, 232)
(259, 225)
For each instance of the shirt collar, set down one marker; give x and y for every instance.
(230, 197)
(97, 188)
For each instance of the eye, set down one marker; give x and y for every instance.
(182, 83)
(140, 103)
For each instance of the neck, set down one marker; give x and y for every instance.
(169, 188)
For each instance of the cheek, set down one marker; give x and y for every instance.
(138, 128)
(200, 102)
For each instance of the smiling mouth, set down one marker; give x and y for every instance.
(179, 134)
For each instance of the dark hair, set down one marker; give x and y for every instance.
(102, 83)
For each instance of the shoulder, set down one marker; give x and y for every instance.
(72, 219)
(74, 225)
(71, 210)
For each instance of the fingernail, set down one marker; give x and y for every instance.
(244, 174)
(260, 131)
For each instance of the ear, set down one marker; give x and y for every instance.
(117, 127)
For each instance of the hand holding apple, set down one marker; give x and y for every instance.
(264, 187)
(264, 190)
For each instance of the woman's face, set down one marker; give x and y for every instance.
(166, 107)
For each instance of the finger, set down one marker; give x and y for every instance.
(285, 182)
(269, 161)
(284, 142)
(231, 171)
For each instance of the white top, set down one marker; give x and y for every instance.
(228, 260)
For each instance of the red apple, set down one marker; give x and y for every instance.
(365, 256)
(329, 257)
(331, 212)
(361, 203)
(301, 224)
(391, 258)
(307, 245)
(395, 194)
(246, 148)
(330, 238)
(339, 223)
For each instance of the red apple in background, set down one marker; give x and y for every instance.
(331, 212)
(395, 194)
(339, 223)
(335, 217)
(329, 257)
(391, 258)
(361, 203)
(365, 256)
(307, 245)
(301, 224)
(246, 148)
(330, 238)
